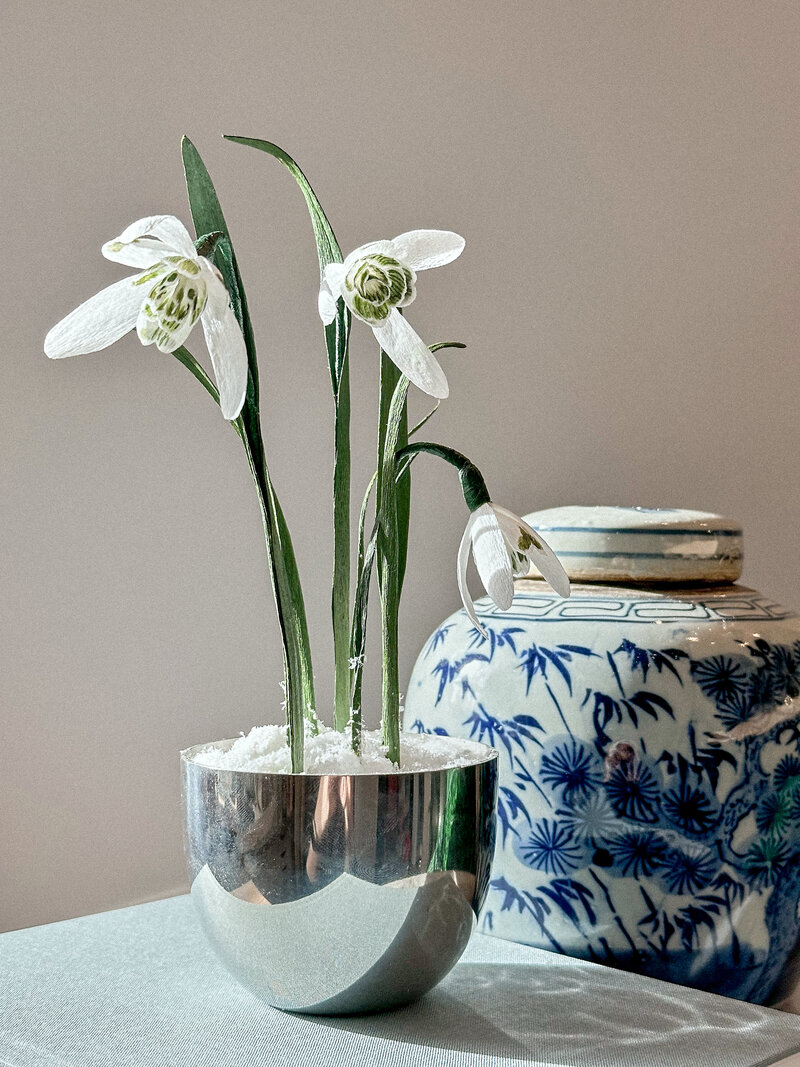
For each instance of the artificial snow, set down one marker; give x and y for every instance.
(265, 751)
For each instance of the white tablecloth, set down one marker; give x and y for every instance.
(140, 988)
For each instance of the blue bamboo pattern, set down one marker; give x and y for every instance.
(643, 859)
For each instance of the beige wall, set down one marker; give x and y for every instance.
(626, 176)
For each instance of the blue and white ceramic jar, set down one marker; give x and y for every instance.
(649, 731)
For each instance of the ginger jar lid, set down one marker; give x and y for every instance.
(616, 544)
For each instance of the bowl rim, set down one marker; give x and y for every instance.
(187, 759)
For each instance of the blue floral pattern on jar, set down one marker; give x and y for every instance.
(649, 801)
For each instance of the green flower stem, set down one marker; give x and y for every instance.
(337, 336)
(473, 485)
(393, 434)
(390, 684)
(340, 590)
(358, 641)
(358, 633)
(362, 523)
(392, 514)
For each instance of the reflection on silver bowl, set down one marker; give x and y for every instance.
(335, 894)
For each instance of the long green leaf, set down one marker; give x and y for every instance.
(336, 343)
(389, 379)
(206, 210)
(435, 408)
(358, 633)
(426, 418)
(392, 435)
(446, 344)
(299, 621)
(208, 218)
(294, 671)
(184, 356)
(328, 250)
(326, 242)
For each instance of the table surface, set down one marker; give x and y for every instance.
(140, 987)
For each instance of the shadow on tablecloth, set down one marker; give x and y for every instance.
(585, 1015)
(140, 987)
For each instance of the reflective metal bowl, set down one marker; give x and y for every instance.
(336, 894)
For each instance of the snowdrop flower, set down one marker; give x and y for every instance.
(377, 279)
(175, 288)
(504, 546)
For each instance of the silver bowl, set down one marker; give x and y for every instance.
(333, 894)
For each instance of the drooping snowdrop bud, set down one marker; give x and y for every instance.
(504, 547)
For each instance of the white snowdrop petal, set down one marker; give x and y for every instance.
(510, 524)
(329, 291)
(492, 558)
(463, 588)
(370, 249)
(326, 305)
(98, 322)
(408, 351)
(334, 278)
(536, 549)
(225, 346)
(423, 249)
(142, 254)
(168, 230)
(164, 341)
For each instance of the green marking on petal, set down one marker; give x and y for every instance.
(401, 278)
(526, 541)
(368, 311)
(375, 284)
(371, 283)
(401, 283)
(174, 303)
(150, 275)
